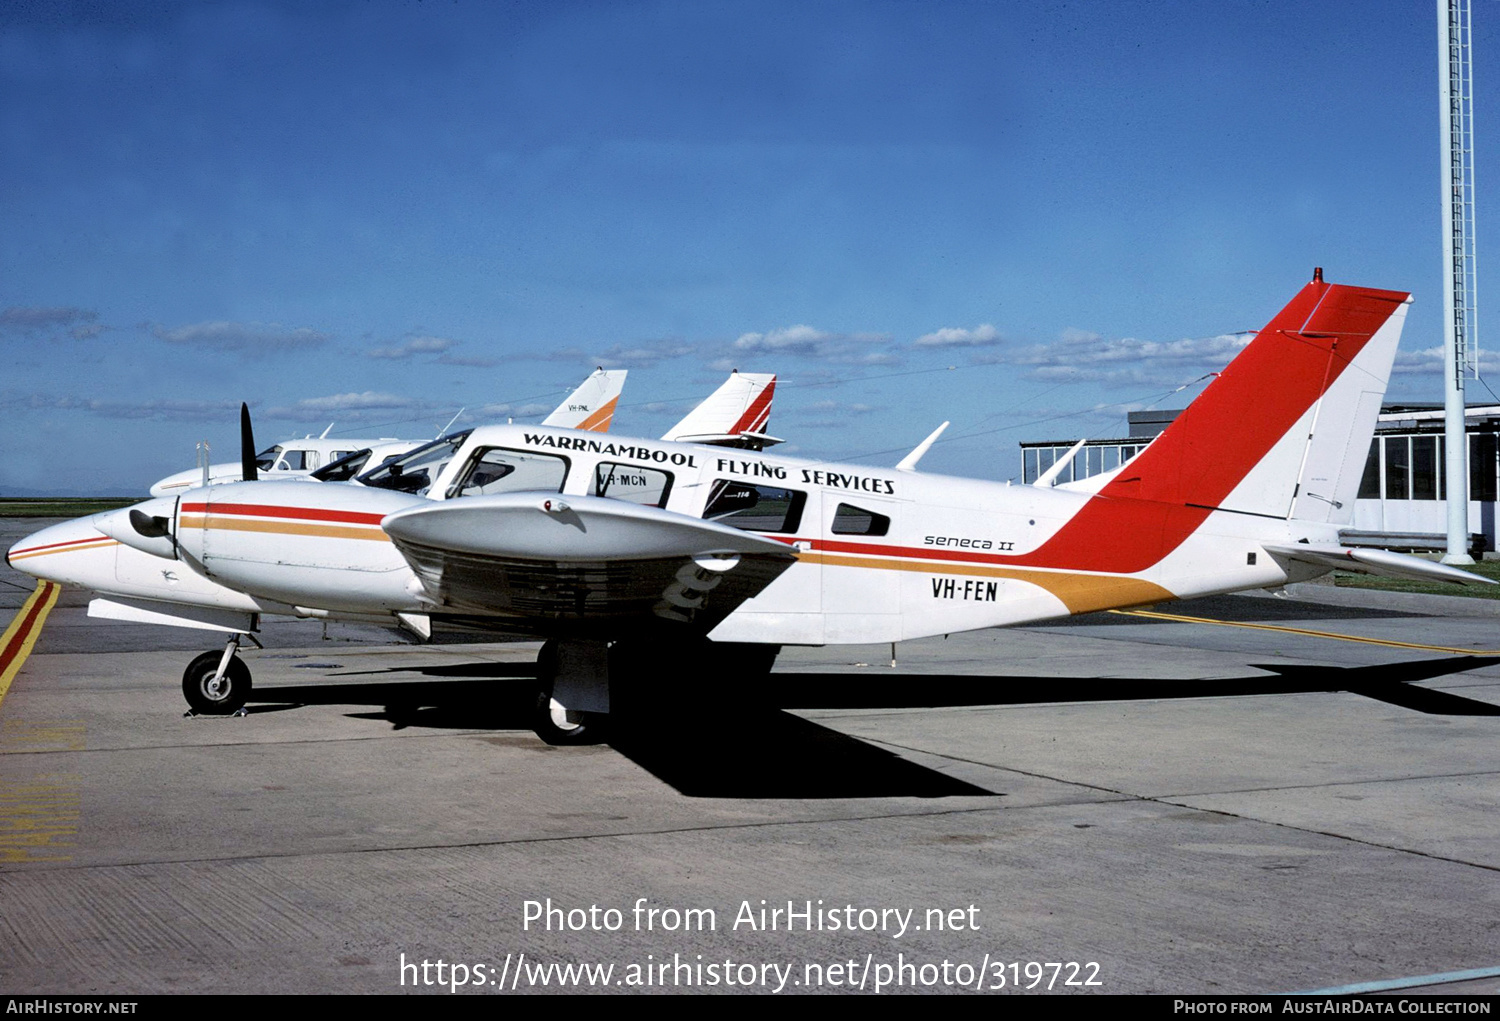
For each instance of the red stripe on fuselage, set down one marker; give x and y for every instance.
(266, 511)
(55, 545)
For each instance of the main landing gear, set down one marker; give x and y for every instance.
(217, 683)
(590, 688)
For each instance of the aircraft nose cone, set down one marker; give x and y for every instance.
(69, 553)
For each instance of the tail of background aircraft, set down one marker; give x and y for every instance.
(1283, 432)
(737, 413)
(592, 406)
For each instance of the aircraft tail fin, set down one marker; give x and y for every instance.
(1285, 429)
(1283, 432)
(739, 409)
(592, 406)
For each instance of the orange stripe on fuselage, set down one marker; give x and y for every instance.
(1080, 593)
(230, 524)
(77, 545)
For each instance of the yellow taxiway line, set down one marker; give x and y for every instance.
(16, 643)
(1307, 632)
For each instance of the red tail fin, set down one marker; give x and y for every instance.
(1166, 492)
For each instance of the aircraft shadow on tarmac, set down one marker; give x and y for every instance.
(719, 748)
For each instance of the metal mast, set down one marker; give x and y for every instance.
(1460, 341)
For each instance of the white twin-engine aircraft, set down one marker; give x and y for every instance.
(590, 407)
(644, 562)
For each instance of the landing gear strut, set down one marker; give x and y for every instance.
(573, 698)
(217, 683)
(589, 688)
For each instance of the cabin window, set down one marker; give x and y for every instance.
(754, 508)
(494, 470)
(852, 520)
(646, 486)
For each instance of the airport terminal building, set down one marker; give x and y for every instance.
(1401, 497)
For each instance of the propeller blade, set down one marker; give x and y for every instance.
(247, 447)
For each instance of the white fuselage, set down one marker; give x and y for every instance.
(882, 555)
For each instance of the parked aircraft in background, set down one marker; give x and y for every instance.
(590, 407)
(735, 415)
(648, 561)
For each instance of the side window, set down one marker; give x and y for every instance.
(852, 520)
(292, 460)
(647, 486)
(753, 508)
(497, 470)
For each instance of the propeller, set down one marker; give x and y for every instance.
(248, 470)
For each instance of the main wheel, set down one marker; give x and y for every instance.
(557, 725)
(552, 722)
(216, 699)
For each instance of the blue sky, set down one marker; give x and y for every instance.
(374, 214)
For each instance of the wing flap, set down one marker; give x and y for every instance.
(588, 565)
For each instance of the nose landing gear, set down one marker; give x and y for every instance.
(217, 683)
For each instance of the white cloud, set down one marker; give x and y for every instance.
(1081, 355)
(804, 341)
(163, 410)
(1429, 360)
(983, 335)
(344, 403)
(245, 337)
(638, 356)
(78, 323)
(414, 346)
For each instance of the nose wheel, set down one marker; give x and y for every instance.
(217, 683)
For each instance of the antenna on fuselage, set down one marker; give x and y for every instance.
(909, 462)
(1049, 478)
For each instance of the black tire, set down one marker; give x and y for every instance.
(553, 724)
(233, 691)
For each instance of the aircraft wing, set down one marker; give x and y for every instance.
(597, 567)
(1374, 561)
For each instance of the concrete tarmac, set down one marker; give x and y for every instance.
(1149, 805)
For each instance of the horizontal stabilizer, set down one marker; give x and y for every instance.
(1375, 561)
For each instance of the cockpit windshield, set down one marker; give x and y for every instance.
(266, 459)
(345, 468)
(416, 470)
